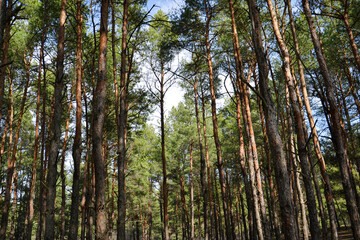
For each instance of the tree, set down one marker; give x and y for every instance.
(337, 136)
(56, 121)
(97, 128)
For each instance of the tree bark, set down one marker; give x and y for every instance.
(318, 153)
(62, 170)
(345, 19)
(301, 138)
(202, 162)
(269, 172)
(122, 129)
(225, 203)
(163, 157)
(192, 229)
(30, 218)
(275, 142)
(10, 167)
(337, 137)
(5, 25)
(75, 196)
(56, 123)
(97, 130)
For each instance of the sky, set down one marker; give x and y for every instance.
(175, 94)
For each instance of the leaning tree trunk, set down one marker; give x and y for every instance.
(301, 139)
(275, 142)
(322, 165)
(337, 137)
(97, 129)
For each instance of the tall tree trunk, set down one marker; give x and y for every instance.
(56, 123)
(345, 19)
(5, 25)
(269, 172)
(253, 166)
(275, 142)
(301, 139)
(322, 165)
(253, 157)
(122, 130)
(163, 158)
(97, 130)
(202, 162)
(208, 168)
(116, 91)
(10, 167)
(2, 28)
(43, 167)
(30, 218)
(229, 234)
(296, 172)
(337, 137)
(192, 230)
(62, 170)
(17, 135)
(75, 196)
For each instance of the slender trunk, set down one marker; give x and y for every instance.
(97, 130)
(301, 139)
(202, 163)
(15, 201)
(207, 158)
(345, 19)
(62, 171)
(3, 137)
(56, 119)
(90, 196)
(30, 218)
(311, 162)
(229, 234)
(10, 167)
(248, 187)
(163, 158)
(192, 233)
(184, 221)
(42, 191)
(116, 90)
(322, 165)
(2, 28)
(296, 172)
(16, 140)
(122, 129)
(275, 142)
(337, 137)
(253, 160)
(253, 166)
(350, 78)
(75, 196)
(269, 172)
(5, 26)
